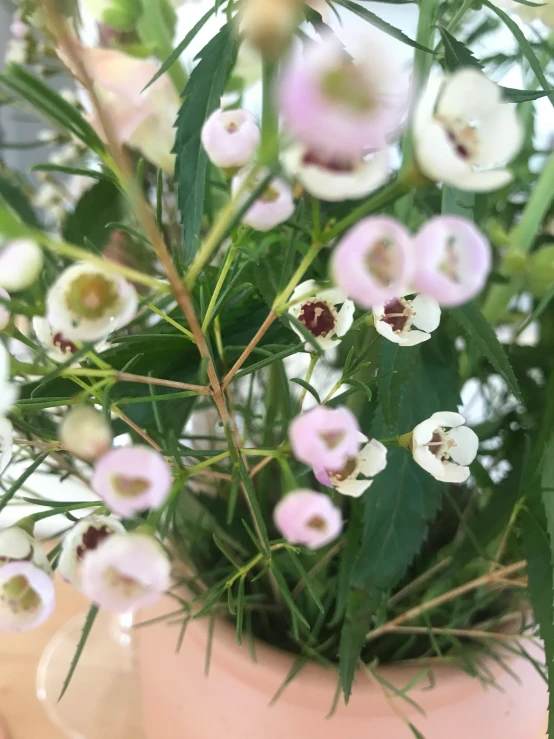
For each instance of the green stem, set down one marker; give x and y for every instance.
(207, 463)
(309, 373)
(157, 29)
(269, 148)
(220, 281)
(281, 299)
(33, 518)
(521, 240)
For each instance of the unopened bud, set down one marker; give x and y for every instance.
(21, 261)
(270, 24)
(86, 433)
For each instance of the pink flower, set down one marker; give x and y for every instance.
(397, 319)
(273, 207)
(453, 260)
(369, 461)
(5, 314)
(126, 572)
(18, 28)
(338, 106)
(306, 517)
(132, 479)
(231, 138)
(85, 537)
(27, 596)
(325, 437)
(374, 262)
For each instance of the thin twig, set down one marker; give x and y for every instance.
(317, 567)
(464, 633)
(148, 439)
(260, 466)
(249, 349)
(490, 577)
(414, 584)
(128, 377)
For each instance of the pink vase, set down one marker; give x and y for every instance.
(233, 702)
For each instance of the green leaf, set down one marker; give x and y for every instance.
(308, 387)
(456, 53)
(396, 364)
(51, 105)
(382, 25)
(415, 731)
(87, 628)
(21, 480)
(524, 45)
(94, 174)
(512, 95)
(18, 201)
(306, 579)
(97, 208)
(202, 95)
(180, 48)
(253, 504)
(482, 335)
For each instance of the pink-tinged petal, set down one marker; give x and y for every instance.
(322, 476)
(341, 107)
(18, 28)
(126, 572)
(27, 596)
(85, 537)
(309, 518)
(132, 479)
(5, 314)
(325, 437)
(453, 260)
(86, 433)
(274, 206)
(231, 138)
(374, 262)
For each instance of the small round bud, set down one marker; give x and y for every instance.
(86, 433)
(20, 264)
(269, 24)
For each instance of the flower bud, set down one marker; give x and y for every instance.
(20, 264)
(86, 433)
(269, 24)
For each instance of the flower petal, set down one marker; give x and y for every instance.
(427, 313)
(449, 419)
(353, 488)
(467, 444)
(373, 458)
(454, 472)
(426, 459)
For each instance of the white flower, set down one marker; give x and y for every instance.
(318, 312)
(27, 596)
(464, 135)
(370, 460)
(126, 572)
(21, 261)
(57, 347)
(445, 454)
(86, 536)
(5, 314)
(396, 319)
(86, 303)
(333, 180)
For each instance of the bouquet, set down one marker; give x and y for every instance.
(286, 310)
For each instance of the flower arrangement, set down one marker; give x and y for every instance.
(251, 333)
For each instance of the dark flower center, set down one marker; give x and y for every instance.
(66, 346)
(318, 318)
(450, 265)
(381, 261)
(317, 522)
(20, 595)
(436, 443)
(92, 296)
(332, 438)
(92, 537)
(396, 315)
(231, 127)
(345, 85)
(347, 470)
(130, 487)
(333, 165)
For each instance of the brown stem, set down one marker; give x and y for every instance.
(445, 597)
(148, 439)
(128, 377)
(260, 466)
(250, 348)
(464, 633)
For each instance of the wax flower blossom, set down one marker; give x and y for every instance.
(5, 314)
(453, 260)
(132, 479)
(85, 537)
(309, 518)
(318, 311)
(397, 319)
(337, 179)
(58, 347)
(326, 437)
(87, 303)
(126, 572)
(464, 135)
(445, 454)
(231, 138)
(86, 433)
(27, 596)
(274, 206)
(370, 460)
(141, 119)
(374, 262)
(21, 261)
(339, 106)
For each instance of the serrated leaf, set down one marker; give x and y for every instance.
(96, 209)
(456, 53)
(202, 96)
(87, 628)
(482, 335)
(396, 364)
(180, 48)
(512, 95)
(524, 45)
(382, 25)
